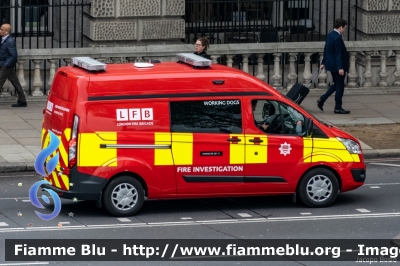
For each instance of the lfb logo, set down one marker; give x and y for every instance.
(134, 114)
(41, 170)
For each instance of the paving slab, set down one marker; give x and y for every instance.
(16, 125)
(18, 133)
(28, 141)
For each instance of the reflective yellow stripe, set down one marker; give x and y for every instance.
(356, 157)
(55, 178)
(46, 141)
(65, 180)
(256, 153)
(236, 150)
(307, 149)
(63, 153)
(162, 156)
(67, 134)
(331, 143)
(43, 132)
(182, 148)
(330, 150)
(90, 153)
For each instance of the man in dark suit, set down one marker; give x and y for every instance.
(336, 61)
(8, 59)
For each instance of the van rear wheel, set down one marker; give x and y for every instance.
(123, 196)
(318, 188)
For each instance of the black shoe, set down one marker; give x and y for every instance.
(18, 104)
(320, 104)
(341, 111)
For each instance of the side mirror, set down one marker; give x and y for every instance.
(309, 125)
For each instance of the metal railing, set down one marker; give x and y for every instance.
(374, 65)
(249, 21)
(45, 23)
(42, 24)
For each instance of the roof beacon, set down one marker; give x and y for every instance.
(89, 64)
(194, 60)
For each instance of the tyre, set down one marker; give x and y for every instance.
(123, 196)
(318, 188)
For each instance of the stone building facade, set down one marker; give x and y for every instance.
(133, 22)
(141, 22)
(378, 19)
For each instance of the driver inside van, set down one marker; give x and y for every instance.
(264, 125)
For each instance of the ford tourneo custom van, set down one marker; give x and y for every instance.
(188, 129)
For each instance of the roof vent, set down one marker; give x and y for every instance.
(194, 60)
(89, 64)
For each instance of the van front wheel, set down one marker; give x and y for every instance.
(123, 196)
(318, 188)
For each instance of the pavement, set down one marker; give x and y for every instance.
(20, 128)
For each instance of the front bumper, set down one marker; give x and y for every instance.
(359, 175)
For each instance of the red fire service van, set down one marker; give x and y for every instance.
(188, 129)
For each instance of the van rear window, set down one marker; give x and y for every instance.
(207, 116)
(63, 87)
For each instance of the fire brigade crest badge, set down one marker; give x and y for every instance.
(285, 148)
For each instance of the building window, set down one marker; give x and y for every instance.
(35, 15)
(5, 11)
(207, 116)
(296, 9)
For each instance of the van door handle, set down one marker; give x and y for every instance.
(234, 139)
(256, 140)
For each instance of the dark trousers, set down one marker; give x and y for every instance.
(9, 73)
(338, 87)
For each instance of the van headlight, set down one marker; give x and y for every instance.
(350, 145)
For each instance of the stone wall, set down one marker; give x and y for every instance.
(134, 22)
(378, 20)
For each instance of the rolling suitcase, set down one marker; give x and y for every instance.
(299, 91)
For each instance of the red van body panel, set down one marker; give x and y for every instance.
(125, 129)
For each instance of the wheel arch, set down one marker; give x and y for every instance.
(323, 166)
(132, 175)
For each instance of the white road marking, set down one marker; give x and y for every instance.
(124, 220)
(26, 200)
(186, 218)
(255, 219)
(25, 263)
(363, 210)
(375, 187)
(17, 176)
(305, 213)
(55, 227)
(208, 222)
(382, 160)
(244, 215)
(64, 223)
(339, 216)
(386, 164)
(20, 198)
(383, 184)
(3, 224)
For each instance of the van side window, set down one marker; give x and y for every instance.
(277, 118)
(207, 116)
